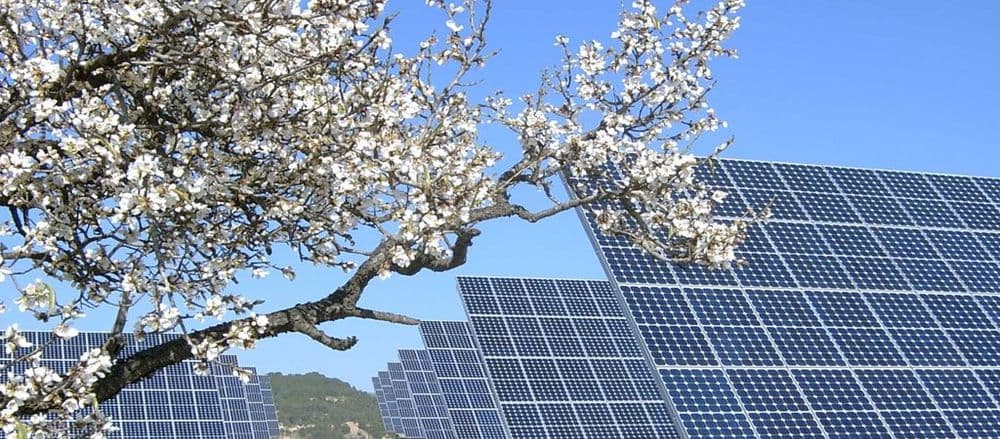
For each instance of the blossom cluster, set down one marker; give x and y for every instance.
(156, 150)
(624, 114)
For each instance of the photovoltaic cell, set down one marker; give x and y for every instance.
(870, 309)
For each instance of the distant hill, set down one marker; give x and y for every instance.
(313, 406)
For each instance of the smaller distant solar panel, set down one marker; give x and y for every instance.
(408, 416)
(391, 417)
(255, 403)
(267, 393)
(234, 396)
(383, 406)
(459, 368)
(425, 389)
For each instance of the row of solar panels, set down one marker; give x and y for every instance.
(462, 385)
(175, 402)
(870, 308)
(547, 380)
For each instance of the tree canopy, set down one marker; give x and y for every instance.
(153, 151)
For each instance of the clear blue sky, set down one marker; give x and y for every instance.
(902, 85)
(892, 84)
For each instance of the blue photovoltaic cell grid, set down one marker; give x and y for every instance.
(870, 307)
(234, 395)
(383, 406)
(459, 368)
(563, 359)
(428, 401)
(270, 412)
(255, 403)
(392, 416)
(173, 403)
(409, 419)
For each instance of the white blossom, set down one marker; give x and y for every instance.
(155, 152)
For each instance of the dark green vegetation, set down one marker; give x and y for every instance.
(312, 406)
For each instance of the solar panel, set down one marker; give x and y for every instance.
(233, 396)
(409, 419)
(459, 368)
(383, 406)
(391, 417)
(870, 308)
(563, 359)
(270, 412)
(255, 405)
(425, 389)
(175, 402)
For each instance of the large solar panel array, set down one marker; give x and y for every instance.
(464, 385)
(175, 402)
(563, 359)
(870, 308)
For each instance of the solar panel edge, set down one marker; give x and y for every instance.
(856, 168)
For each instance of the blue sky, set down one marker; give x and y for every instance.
(901, 85)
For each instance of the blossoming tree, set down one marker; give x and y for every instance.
(153, 151)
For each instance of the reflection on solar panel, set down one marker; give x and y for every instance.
(870, 308)
(174, 402)
(465, 388)
(563, 359)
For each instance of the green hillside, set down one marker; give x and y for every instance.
(312, 406)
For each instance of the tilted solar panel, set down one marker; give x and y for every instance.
(428, 401)
(409, 419)
(563, 359)
(392, 417)
(383, 406)
(459, 368)
(870, 307)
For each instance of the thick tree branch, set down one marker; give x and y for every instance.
(302, 318)
(458, 256)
